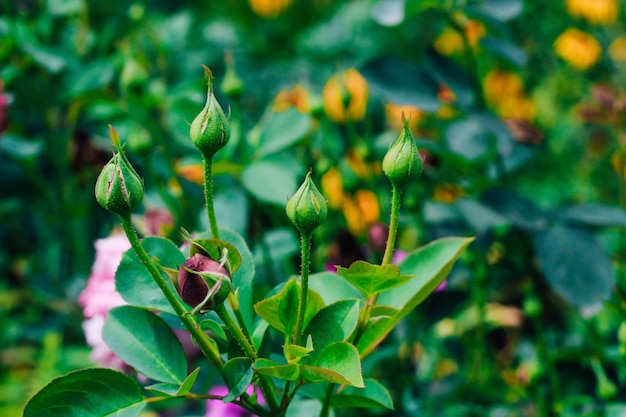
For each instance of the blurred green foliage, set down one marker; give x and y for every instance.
(522, 128)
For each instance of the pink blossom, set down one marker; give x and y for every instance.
(99, 296)
(218, 408)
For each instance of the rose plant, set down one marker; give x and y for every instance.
(303, 343)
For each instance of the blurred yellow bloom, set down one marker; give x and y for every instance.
(594, 11)
(332, 188)
(296, 97)
(450, 41)
(394, 116)
(448, 193)
(269, 8)
(367, 202)
(361, 211)
(617, 49)
(579, 49)
(191, 172)
(345, 96)
(504, 91)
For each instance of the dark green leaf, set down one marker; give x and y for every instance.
(401, 82)
(371, 279)
(505, 49)
(288, 306)
(374, 395)
(334, 323)
(289, 372)
(238, 374)
(338, 363)
(503, 9)
(520, 211)
(593, 214)
(282, 130)
(269, 182)
(88, 393)
(451, 74)
(20, 148)
(145, 342)
(134, 282)
(575, 265)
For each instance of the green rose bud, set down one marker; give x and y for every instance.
(203, 283)
(210, 130)
(231, 84)
(119, 188)
(307, 207)
(402, 163)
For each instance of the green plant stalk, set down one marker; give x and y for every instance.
(199, 336)
(326, 404)
(396, 197)
(208, 196)
(305, 246)
(248, 349)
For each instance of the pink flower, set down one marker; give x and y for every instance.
(99, 296)
(218, 408)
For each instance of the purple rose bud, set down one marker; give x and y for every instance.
(207, 288)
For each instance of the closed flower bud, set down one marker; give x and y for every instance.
(210, 130)
(307, 207)
(203, 282)
(119, 188)
(402, 163)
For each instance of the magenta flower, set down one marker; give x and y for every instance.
(218, 408)
(99, 296)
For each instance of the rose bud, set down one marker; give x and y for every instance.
(119, 188)
(210, 130)
(203, 283)
(402, 163)
(307, 207)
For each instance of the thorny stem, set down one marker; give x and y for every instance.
(396, 195)
(305, 245)
(248, 349)
(208, 196)
(190, 323)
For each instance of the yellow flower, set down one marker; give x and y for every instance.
(617, 49)
(594, 11)
(448, 193)
(296, 97)
(579, 49)
(332, 187)
(450, 41)
(361, 211)
(367, 202)
(269, 8)
(345, 96)
(191, 172)
(394, 116)
(504, 91)
(361, 168)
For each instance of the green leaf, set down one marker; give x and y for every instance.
(503, 10)
(401, 82)
(282, 130)
(269, 308)
(374, 395)
(430, 264)
(332, 288)
(505, 49)
(334, 323)
(238, 373)
(338, 363)
(133, 281)
(576, 266)
(88, 393)
(593, 214)
(288, 306)
(289, 372)
(293, 353)
(214, 249)
(174, 390)
(269, 182)
(371, 279)
(217, 332)
(519, 210)
(145, 342)
(20, 148)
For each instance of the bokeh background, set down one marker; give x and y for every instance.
(518, 108)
